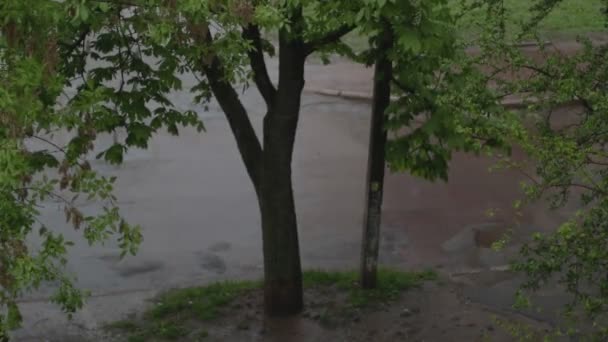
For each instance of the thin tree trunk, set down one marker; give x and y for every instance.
(376, 163)
(282, 268)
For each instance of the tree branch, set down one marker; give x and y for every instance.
(329, 38)
(247, 141)
(539, 70)
(258, 65)
(79, 40)
(579, 185)
(403, 87)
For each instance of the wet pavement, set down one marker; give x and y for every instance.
(201, 223)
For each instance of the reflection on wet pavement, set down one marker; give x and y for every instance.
(191, 195)
(201, 222)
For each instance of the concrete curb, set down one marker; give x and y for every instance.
(115, 293)
(500, 268)
(512, 103)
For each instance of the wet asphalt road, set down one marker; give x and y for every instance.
(198, 210)
(201, 223)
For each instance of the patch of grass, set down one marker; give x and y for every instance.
(390, 284)
(199, 302)
(124, 325)
(137, 338)
(327, 278)
(173, 310)
(170, 330)
(129, 326)
(569, 18)
(165, 320)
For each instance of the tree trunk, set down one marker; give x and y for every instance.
(282, 268)
(269, 164)
(376, 163)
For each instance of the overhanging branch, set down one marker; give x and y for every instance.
(247, 141)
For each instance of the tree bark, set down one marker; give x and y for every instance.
(282, 267)
(258, 64)
(376, 163)
(270, 167)
(247, 141)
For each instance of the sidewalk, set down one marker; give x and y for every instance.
(344, 79)
(354, 81)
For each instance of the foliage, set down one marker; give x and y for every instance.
(29, 92)
(46, 91)
(567, 164)
(442, 102)
(112, 65)
(85, 68)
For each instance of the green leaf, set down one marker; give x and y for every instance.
(83, 12)
(104, 7)
(172, 128)
(409, 41)
(41, 159)
(114, 154)
(138, 135)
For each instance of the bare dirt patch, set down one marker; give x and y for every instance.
(433, 311)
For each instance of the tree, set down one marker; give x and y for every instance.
(269, 162)
(383, 74)
(30, 85)
(568, 162)
(122, 58)
(441, 103)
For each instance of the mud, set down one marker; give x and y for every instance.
(433, 313)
